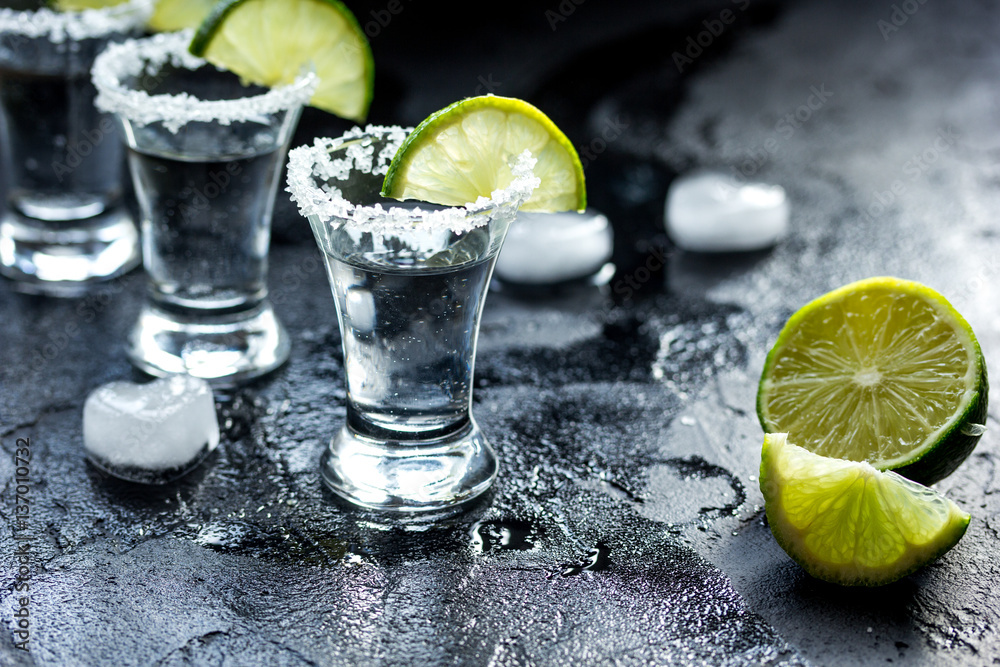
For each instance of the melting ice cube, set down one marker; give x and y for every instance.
(713, 212)
(151, 433)
(550, 248)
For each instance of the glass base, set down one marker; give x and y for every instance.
(224, 350)
(67, 258)
(410, 475)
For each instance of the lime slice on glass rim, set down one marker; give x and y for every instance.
(171, 15)
(882, 370)
(847, 523)
(465, 150)
(270, 42)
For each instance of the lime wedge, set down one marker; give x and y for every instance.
(464, 151)
(171, 15)
(846, 522)
(270, 42)
(882, 370)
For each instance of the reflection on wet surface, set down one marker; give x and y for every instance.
(623, 418)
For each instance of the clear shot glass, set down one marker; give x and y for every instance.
(409, 285)
(64, 225)
(205, 153)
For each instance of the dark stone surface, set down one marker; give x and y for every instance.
(626, 527)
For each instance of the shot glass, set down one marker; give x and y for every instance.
(64, 225)
(409, 285)
(205, 153)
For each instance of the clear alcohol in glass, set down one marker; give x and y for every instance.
(64, 225)
(409, 285)
(409, 324)
(205, 153)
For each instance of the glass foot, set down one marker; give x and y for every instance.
(67, 258)
(224, 349)
(409, 476)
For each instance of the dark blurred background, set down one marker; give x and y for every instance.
(610, 74)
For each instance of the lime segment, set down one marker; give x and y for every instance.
(846, 522)
(270, 42)
(882, 370)
(171, 15)
(464, 152)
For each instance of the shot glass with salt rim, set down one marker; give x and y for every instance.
(64, 226)
(409, 282)
(205, 153)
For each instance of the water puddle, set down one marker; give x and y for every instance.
(595, 560)
(503, 534)
(286, 545)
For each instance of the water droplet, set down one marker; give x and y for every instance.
(595, 560)
(973, 430)
(503, 534)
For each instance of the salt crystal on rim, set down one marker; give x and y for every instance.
(311, 167)
(148, 56)
(86, 24)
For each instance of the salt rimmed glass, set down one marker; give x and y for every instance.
(64, 225)
(409, 285)
(205, 153)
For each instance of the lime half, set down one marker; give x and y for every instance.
(464, 152)
(270, 43)
(882, 370)
(846, 522)
(171, 15)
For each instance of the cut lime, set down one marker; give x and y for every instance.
(846, 522)
(171, 15)
(882, 370)
(270, 42)
(81, 5)
(464, 151)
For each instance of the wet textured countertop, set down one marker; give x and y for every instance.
(626, 526)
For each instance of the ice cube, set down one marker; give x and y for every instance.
(713, 212)
(550, 248)
(151, 433)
